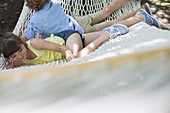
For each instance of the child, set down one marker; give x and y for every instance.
(45, 26)
(49, 18)
(77, 44)
(38, 51)
(75, 41)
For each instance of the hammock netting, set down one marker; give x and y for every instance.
(128, 74)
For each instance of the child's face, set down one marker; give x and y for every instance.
(20, 55)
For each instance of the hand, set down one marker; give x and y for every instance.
(21, 34)
(9, 65)
(68, 53)
(23, 38)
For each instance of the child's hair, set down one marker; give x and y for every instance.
(36, 4)
(9, 44)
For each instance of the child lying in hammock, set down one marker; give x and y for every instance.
(15, 50)
(76, 41)
(49, 18)
(46, 21)
(39, 51)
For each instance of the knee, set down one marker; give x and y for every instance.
(106, 12)
(89, 29)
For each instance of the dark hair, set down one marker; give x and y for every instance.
(36, 4)
(9, 44)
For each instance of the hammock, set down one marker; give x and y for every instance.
(74, 8)
(78, 8)
(130, 72)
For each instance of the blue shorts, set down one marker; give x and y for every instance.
(65, 34)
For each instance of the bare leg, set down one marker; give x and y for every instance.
(90, 37)
(101, 25)
(132, 20)
(74, 43)
(113, 6)
(96, 42)
(93, 45)
(126, 16)
(96, 25)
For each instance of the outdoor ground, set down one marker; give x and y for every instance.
(161, 11)
(10, 11)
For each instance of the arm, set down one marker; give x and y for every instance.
(29, 31)
(22, 35)
(41, 44)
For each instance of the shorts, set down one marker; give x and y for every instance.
(93, 22)
(65, 35)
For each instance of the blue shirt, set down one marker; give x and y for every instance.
(51, 20)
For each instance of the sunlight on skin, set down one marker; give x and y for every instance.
(75, 50)
(95, 44)
(106, 9)
(91, 45)
(86, 50)
(132, 20)
(113, 6)
(139, 16)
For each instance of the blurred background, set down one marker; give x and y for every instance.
(10, 11)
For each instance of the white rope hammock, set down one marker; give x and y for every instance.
(110, 76)
(82, 7)
(76, 8)
(141, 38)
(127, 74)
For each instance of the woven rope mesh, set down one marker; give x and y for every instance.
(83, 7)
(130, 72)
(139, 39)
(140, 81)
(75, 8)
(79, 8)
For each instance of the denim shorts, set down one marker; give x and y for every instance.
(65, 35)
